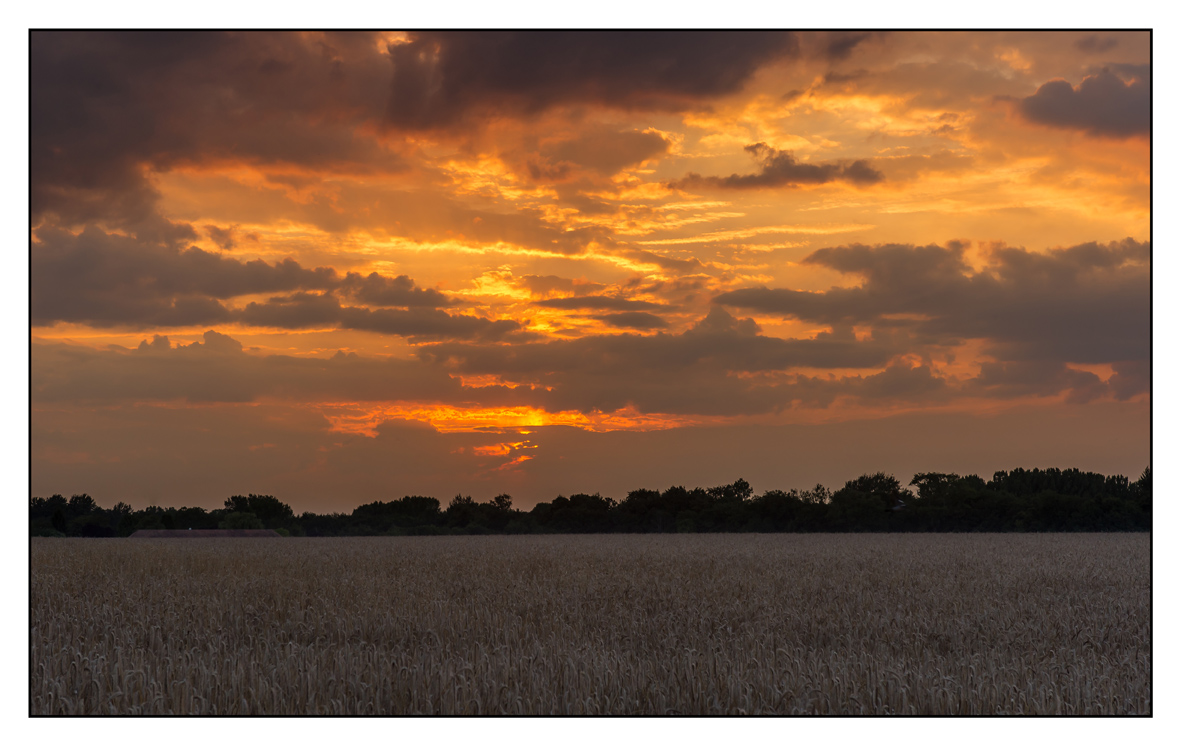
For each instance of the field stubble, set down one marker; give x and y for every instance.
(640, 624)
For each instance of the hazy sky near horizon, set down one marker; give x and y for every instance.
(346, 267)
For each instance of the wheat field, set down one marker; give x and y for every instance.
(590, 625)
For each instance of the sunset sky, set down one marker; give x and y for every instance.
(346, 267)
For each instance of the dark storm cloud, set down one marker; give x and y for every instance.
(425, 324)
(632, 320)
(103, 278)
(440, 77)
(1083, 304)
(378, 290)
(841, 44)
(1036, 378)
(598, 303)
(319, 310)
(1103, 105)
(689, 373)
(780, 168)
(107, 106)
(295, 311)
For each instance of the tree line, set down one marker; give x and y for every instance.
(1018, 500)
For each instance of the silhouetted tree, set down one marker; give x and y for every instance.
(395, 515)
(462, 511)
(934, 485)
(81, 505)
(883, 486)
(736, 492)
(1020, 500)
(1144, 488)
(270, 510)
(119, 514)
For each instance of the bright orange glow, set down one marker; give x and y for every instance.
(364, 419)
(501, 449)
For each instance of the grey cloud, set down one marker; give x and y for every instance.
(440, 78)
(1085, 304)
(1126, 70)
(683, 289)
(1048, 378)
(223, 237)
(426, 324)
(899, 381)
(1095, 44)
(378, 290)
(632, 320)
(840, 44)
(105, 105)
(1103, 105)
(598, 302)
(689, 373)
(106, 279)
(780, 168)
(717, 324)
(316, 310)
(295, 311)
(1132, 377)
(839, 78)
(1038, 378)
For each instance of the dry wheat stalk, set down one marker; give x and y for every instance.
(700, 624)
